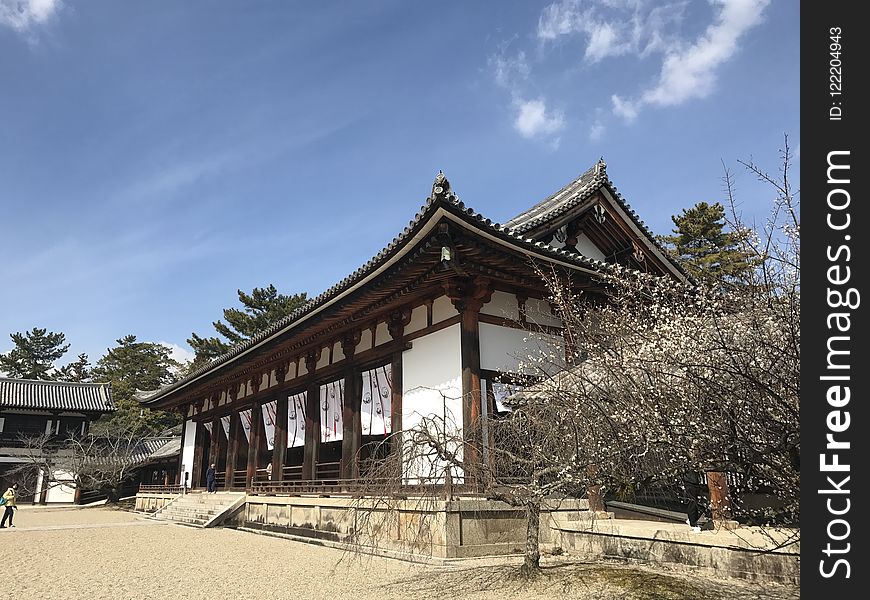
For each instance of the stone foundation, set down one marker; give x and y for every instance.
(459, 528)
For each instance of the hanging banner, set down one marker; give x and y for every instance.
(296, 420)
(225, 421)
(270, 413)
(377, 393)
(245, 417)
(331, 402)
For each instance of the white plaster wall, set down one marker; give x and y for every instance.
(443, 309)
(62, 489)
(382, 334)
(538, 311)
(324, 359)
(365, 341)
(432, 382)
(187, 452)
(337, 353)
(418, 319)
(587, 248)
(502, 305)
(504, 348)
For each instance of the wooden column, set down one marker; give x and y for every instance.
(468, 296)
(198, 455)
(254, 448)
(233, 441)
(396, 326)
(351, 421)
(214, 448)
(179, 479)
(279, 453)
(312, 419)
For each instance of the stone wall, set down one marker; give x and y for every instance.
(438, 528)
(152, 502)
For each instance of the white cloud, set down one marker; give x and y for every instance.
(611, 27)
(624, 108)
(691, 72)
(179, 353)
(22, 15)
(533, 119)
(509, 72)
(596, 132)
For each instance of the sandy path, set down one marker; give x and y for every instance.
(103, 553)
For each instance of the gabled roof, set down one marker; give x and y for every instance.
(562, 201)
(534, 220)
(55, 395)
(442, 202)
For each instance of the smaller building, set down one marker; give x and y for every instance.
(35, 418)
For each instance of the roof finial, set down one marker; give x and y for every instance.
(600, 166)
(440, 187)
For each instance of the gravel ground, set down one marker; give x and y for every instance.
(102, 553)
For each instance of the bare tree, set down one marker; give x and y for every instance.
(674, 377)
(655, 378)
(103, 460)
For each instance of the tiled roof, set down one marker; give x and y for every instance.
(575, 193)
(56, 395)
(145, 451)
(563, 200)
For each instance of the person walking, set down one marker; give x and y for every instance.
(210, 479)
(692, 487)
(9, 505)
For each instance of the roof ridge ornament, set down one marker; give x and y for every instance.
(601, 167)
(441, 187)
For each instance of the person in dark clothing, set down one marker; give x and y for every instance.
(692, 486)
(9, 505)
(210, 481)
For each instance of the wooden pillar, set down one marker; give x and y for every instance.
(396, 326)
(254, 450)
(396, 424)
(232, 448)
(720, 502)
(351, 408)
(214, 447)
(312, 419)
(468, 296)
(279, 453)
(179, 480)
(198, 455)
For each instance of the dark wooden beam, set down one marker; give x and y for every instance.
(312, 419)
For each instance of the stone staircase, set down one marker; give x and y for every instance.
(199, 509)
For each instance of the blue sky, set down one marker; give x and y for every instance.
(156, 156)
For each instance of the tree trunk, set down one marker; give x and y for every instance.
(532, 563)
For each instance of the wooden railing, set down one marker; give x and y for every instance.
(160, 489)
(362, 487)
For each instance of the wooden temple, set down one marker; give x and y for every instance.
(427, 326)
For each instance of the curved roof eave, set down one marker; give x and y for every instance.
(417, 229)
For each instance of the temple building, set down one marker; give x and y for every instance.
(36, 417)
(428, 326)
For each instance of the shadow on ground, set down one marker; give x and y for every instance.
(598, 581)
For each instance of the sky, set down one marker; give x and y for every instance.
(157, 156)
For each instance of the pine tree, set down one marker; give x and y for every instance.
(78, 370)
(34, 354)
(131, 366)
(261, 308)
(710, 254)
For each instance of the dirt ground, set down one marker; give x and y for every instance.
(102, 553)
